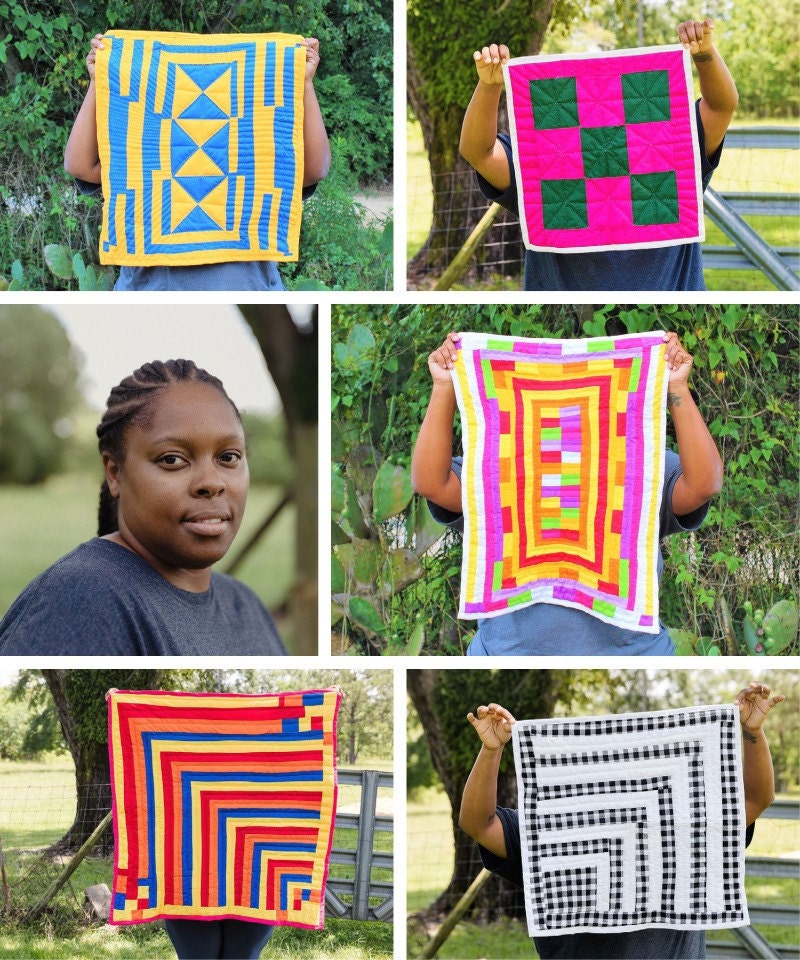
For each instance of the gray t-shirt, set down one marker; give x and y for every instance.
(544, 629)
(104, 600)
(653, 944)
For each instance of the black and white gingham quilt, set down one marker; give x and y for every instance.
(632, 821)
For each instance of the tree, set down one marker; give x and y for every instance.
(442, 699)
(38, 391)
(290, 351)
(79, 698)
(440, 80)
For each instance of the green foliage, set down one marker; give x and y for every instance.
(407, 568)
(341, 246)
(267, 453)
(38, 392)
(86, 698)
(43, 80)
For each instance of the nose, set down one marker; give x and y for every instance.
(208, 480)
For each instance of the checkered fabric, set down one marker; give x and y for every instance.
(632, 821)
(563, 445)
(201, 147)
(605, 149)
(223, 805)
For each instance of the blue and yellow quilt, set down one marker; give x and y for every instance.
(201, 147)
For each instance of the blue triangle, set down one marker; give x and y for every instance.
(181, 146)
(203, 108)
(197, 219)
(204, 74)
(199, 188)
(217, 147)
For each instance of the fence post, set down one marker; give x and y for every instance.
(456, 914)
(459, 262)
(366, 836)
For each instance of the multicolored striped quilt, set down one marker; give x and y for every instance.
(224, 805)
(605, 149)
(201, 147)
(563, 444)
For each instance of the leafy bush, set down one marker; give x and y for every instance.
(741, 562)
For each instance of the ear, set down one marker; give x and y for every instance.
(111, 469)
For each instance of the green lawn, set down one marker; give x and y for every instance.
(430, 864)
(740, 170)
(42, 523)
(33, 814)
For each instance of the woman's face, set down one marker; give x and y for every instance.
(182, 485)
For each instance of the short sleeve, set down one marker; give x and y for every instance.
(506, 198)
(88, 189)
(748, 834)
(668, 522)
(448, 517)
(707, 164)
(509, 868)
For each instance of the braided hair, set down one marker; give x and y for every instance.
(131, 402)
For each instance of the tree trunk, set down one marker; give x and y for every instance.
(291, 357)
(79, 698)
(442, 700)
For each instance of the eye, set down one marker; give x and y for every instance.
(171, 460)
(231, 457)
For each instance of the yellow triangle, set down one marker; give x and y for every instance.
(181, 204)
(186, 92)
(215, 203)
(201, 130)
(219, 92)
(199, 165)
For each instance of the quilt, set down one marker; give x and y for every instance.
(223, 805)
(632, 821)
(201, 147)
(605, 149)
(563, 444)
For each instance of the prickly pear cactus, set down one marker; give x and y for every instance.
(770, 633)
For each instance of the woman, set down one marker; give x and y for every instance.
(171, 503)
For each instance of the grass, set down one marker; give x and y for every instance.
(740, 170)
(27, 822)
(42, 523)
(430, 865)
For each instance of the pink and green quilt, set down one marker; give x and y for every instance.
(563, 444)
(605, 150)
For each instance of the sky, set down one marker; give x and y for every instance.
(116, 339)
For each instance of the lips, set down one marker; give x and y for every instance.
(207, 524)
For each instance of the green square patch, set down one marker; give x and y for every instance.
(605, 152)
(655, 198)
(564, 204)
(555, 103)
(646, 96)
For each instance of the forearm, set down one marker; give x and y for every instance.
(701, 463)
(757, 772)
(716, 83)
(479, 127)
(316, 148)
(431, 461)
(81, 156)
(479, 800)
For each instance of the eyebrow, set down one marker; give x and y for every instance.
(237, 438)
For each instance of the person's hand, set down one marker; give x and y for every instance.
(696, 37)
(489, 63)
(754, 703)
(312, 57)
(493, 725)
(97, 44)
(441, 361)
(110, 691)
(679, 362)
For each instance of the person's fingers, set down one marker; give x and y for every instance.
(778, 698)
(504, 54)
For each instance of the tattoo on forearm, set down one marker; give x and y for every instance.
(703, 57)
(750, 737)
(673, 400)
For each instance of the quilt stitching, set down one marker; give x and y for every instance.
(626, 116)
(666, 787)
(223, 805)
(563, 468)
(200, 143)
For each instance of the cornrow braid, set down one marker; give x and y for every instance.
(131, 402)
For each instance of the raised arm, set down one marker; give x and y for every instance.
(479, 145)
(478, 814)
(431, 474)
(754, 703)
(316, 148)
(81, 156)
(701, 464)
(718, 92)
